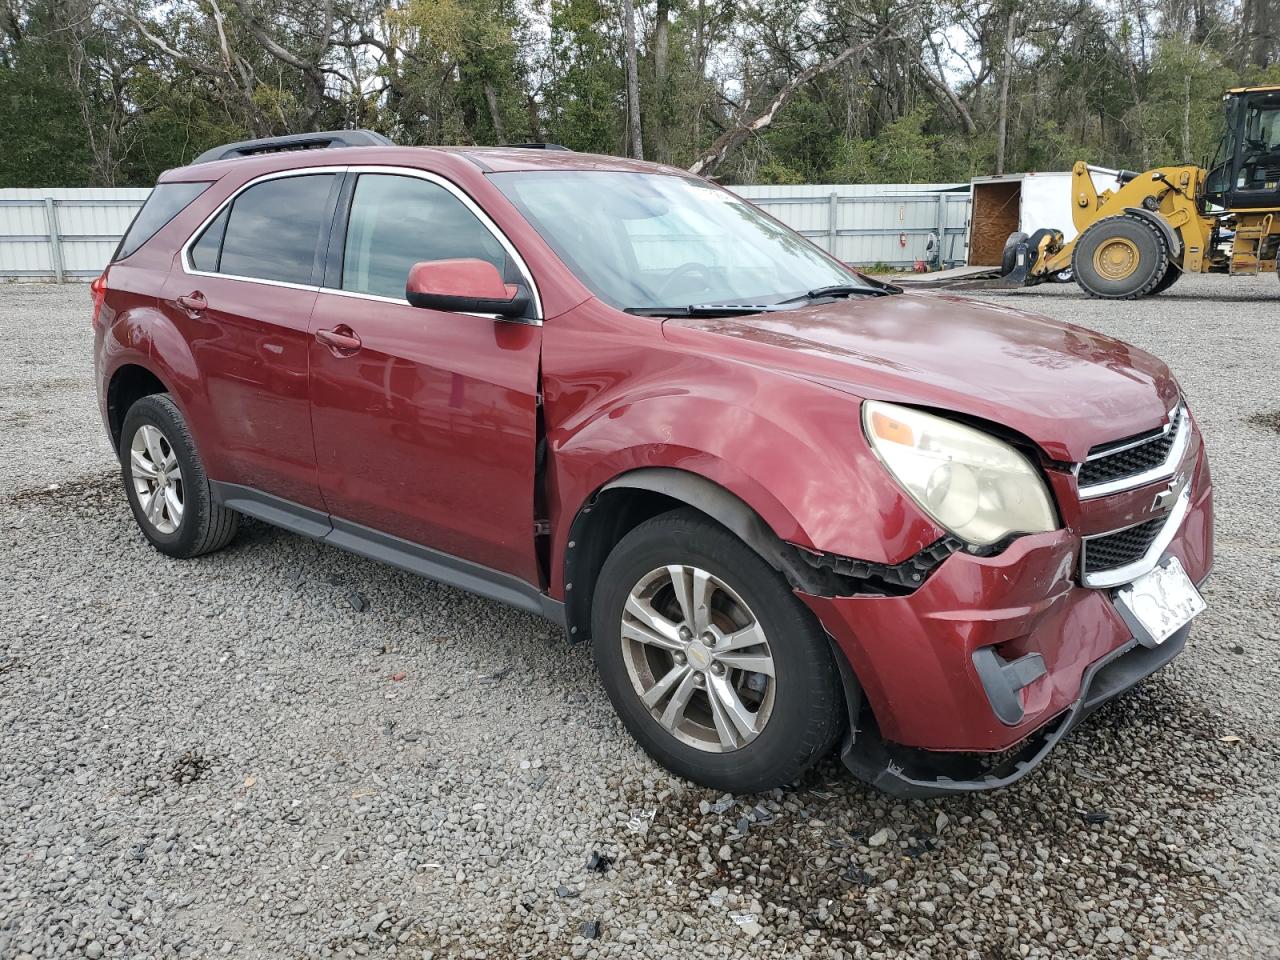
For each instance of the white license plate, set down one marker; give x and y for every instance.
(1160, 602)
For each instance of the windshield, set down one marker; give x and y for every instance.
(646, 241)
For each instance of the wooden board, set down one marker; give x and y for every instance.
(995, 214)
(942, 278)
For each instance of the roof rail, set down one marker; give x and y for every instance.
(535, 146)
(325, 139)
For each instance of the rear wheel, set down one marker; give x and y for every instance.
(165, 482)
(1120, 258)
(1170, 277)
(713, 665)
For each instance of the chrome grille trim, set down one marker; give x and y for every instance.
(1179, 424)
(1116, 576)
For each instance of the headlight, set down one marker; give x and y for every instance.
(978, 487)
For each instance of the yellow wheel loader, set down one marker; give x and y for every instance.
(1140, 237)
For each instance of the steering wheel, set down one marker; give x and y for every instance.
(679, 273)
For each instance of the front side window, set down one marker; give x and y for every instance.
(164, 203)
(272, 231)
(398, 221)
(647, 241)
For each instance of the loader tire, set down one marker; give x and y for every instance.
(1170, 278)
(1009, 259)
(1121, 258)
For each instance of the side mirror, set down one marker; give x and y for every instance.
(464, 286)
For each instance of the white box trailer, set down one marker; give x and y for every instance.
(1004, 204)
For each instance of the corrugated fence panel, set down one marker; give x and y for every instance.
(873, 223)
(88, 225)
(861, 223)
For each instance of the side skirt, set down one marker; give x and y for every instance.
(376, 545)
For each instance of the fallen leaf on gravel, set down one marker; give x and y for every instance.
(1229, 738)
(398, 676)
(250, 781)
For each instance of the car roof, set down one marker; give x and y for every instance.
(486, 159)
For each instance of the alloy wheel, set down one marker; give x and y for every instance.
(698, 658)
(157, 478)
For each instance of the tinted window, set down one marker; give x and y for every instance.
(205, 251)
(275, 228)
(399, 221)
(166, 201)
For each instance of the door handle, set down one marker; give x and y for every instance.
(194, 303)
(341, 340)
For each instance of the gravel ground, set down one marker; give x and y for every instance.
(227, 756)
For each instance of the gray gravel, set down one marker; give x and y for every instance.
(226, 757)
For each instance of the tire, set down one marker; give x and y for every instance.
(1120, 258)
(794, 715)
(1009, 259)
(1171, 276)
(186, 521)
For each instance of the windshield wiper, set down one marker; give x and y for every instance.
(839, 290)
(704, 310)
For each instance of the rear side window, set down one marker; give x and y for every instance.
(166, 201)
(398, 221)
(206, 250)
(272, 231)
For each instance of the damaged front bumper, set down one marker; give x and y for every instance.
(969, 681)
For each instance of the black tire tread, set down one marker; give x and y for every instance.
(1171, 276)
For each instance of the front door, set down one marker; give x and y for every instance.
(242, 301)
(425, 421)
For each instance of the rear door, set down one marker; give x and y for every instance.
(426, 430)
(243, 299)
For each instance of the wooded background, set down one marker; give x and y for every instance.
(763, 91)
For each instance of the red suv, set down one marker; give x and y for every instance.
(789, 506)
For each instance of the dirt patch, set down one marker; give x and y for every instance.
(190, 768)
(91, 490)
(1267, 420)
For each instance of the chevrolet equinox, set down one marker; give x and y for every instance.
(790, 507)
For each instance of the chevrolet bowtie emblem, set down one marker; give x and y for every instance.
(1167, 496)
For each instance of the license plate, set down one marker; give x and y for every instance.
(1159, 603)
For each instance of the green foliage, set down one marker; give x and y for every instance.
(88, 98)
(43, 139)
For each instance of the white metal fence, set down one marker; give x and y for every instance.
(69, 234)
(874, 223)
(62, 234)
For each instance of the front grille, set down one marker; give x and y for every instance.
(1122, 547)
(1134, 457)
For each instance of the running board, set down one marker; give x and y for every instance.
(385, 548)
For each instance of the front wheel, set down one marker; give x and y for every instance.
(1120, 258)
(714, 666)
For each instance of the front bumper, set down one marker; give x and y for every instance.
(931, 664)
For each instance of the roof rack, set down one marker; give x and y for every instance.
(535, 146)
(325, 139)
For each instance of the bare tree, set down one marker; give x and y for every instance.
(1006, 78)
(731, 139)
(633, 79)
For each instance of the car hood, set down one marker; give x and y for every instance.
(1064, 387)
